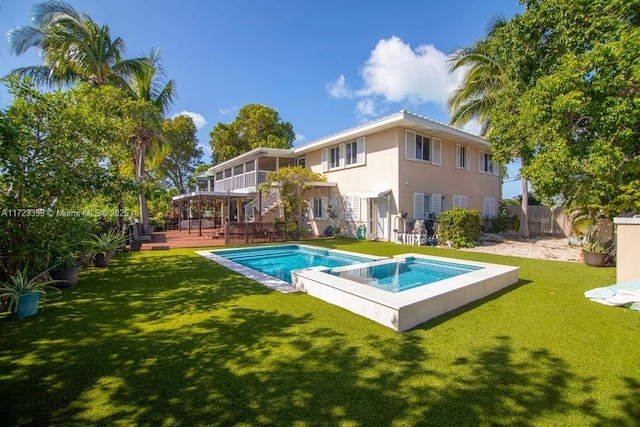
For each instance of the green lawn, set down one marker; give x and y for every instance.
(165, 338)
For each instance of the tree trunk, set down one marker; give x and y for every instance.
(524, 215)
(144, 211)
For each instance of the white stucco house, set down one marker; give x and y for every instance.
(383, 174)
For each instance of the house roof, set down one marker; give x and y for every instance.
(402, 118)
(256, 152)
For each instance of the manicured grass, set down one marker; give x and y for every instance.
(165, 338)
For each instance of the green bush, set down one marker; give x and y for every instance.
(459, 226)
(501, 223)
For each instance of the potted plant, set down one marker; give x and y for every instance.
(596, 252)
(104, 245)
(65, 270)
(24, 293)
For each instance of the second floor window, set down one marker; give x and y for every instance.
(334, 155)
(422, 148)
(351, 155)
(462, 157)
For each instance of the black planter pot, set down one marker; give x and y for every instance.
(102, 260)
(69, 277)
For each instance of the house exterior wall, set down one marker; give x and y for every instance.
(627, 247)
(446, 180)
(387, 168)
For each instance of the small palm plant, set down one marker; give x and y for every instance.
(21, 285)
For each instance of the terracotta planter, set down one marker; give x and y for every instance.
(594, 259)
(69, 277)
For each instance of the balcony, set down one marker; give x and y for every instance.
(242, 181)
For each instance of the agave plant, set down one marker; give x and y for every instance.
(20, 284)
(106, 242)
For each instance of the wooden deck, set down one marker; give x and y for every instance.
(172, 239)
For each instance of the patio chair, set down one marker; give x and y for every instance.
(136, 236)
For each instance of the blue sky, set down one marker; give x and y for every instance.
(324, 65)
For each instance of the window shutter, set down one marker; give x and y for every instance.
(312, 208)
(467, 153)
(351, 208)
(481, 161)
(489, 208)
(361, 150)
(325, 203)
(496, 168)
(458, 156)
(418, 205)
(410, 145)
(460, 202)
(324, 154)
(437, 156)
(436, 204)
(343, 151)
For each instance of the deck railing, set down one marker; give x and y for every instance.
(241, 181)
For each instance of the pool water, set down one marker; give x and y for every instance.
(280, 261)
(398, 276)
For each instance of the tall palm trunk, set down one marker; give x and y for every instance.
(140, 148)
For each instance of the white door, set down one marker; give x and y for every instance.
(381, 216)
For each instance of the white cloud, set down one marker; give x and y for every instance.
(339, 89)
(366, 109)
(197, 118)
(398, 73)
(473, 127)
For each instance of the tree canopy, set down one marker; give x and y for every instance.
(255, 126)
(568, 103)
(292, 181)
(183, 155)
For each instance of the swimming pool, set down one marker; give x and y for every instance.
(401, 275)
(279, 261)
(314, 271)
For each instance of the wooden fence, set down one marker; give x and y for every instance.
(545, 221)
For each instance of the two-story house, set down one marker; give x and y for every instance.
(384, 174)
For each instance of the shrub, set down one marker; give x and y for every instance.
(501, 223)
(459, 226)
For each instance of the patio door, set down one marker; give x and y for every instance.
(381, 215)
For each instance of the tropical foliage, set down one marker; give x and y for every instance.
(292, 182)
(184, 155)
(255, 126)
(567, 102)
(459, 226)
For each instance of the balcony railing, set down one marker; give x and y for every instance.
(242, 181)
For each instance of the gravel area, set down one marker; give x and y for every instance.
(540, 247)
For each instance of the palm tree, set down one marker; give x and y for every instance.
(76, 49)
(147, 84)
(484, 82)
(73, 46)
